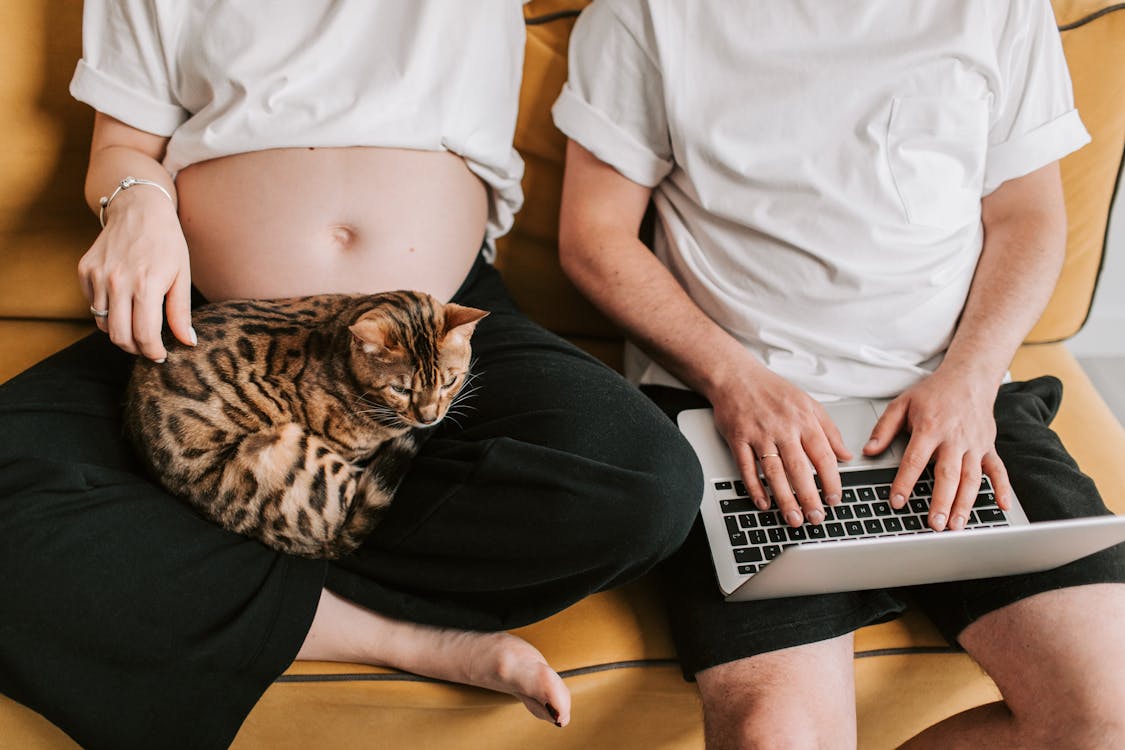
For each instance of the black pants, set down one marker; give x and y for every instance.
(131, 622)
(709, 630)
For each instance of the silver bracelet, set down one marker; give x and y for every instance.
(125, 184)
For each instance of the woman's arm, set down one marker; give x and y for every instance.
(138, 266)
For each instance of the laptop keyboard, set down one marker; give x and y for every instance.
(758, 536)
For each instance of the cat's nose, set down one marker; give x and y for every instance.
(427, 415)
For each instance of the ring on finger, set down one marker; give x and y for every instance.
(99, 313)
(764, 456)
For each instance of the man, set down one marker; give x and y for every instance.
(853, 199)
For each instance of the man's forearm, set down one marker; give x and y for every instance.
(627, 283)
(599, 250)
(1024, 245)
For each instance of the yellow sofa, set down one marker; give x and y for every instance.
(613, 649)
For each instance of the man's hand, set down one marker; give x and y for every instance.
(769, 422)
(949, 418)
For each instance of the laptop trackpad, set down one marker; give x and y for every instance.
(855, 419)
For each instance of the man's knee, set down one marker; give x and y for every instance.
(800, 697)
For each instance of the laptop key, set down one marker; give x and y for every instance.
(911, 523)
(835, 530)
(732, 524)
(817, 532)
(990, 515)
(747, 570)
(748, 555)
(747, 520)
(873, 526)
(848, 495)
(738, 539)
(862, 510)
(737, 505)
(867, 494)
(771, 551)
(844, 512)
(892, 525)
(797, 534)
(723, 486)
(756, 536)
(740, 488)
(777, 534)
(881, 508)
(883, 492)
(854, 528)
(919, 506)
(768, 518)
(985, 500)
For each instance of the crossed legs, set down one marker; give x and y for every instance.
(1058, 658)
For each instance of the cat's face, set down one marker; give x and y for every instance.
(413, 360)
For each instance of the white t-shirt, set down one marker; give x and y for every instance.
(819, 166)
(222, 77)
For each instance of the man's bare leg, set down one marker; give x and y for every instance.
(344, 631)
(802, 697)
(1059, 661)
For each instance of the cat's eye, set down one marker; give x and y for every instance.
(449, 383)
(400, 389)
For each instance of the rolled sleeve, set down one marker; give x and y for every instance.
(124, 70)
(1033, 120)
(1023, 155)
(598, 134)
(613, 101)
(117, 100)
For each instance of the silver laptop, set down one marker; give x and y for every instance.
(864, 543)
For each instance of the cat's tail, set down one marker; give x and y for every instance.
(294, 493)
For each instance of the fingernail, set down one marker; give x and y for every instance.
(793, 518)
(553, 714)
(816, 516)
(160, 361)
(871, 443)
(832, 499)
(898, 500)
(194, 338)
(939, 521)
(762, 504)
(957, 523)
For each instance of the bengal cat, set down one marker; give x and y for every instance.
(293, 421)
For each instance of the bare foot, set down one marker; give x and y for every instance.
(344, 631)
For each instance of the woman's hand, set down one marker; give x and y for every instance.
(136, 269)
(767, 420)
(949, 417)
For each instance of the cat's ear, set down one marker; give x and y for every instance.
(374, 335)
(460, 321)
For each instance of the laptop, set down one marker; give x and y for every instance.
(864, 543)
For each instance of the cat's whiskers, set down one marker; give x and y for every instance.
(467, 390)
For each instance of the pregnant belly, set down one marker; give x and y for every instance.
(292, 222)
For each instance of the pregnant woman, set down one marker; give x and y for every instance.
(318, 147)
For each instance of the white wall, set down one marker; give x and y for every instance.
(1104, 332)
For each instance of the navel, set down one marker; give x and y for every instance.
(344, 235)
